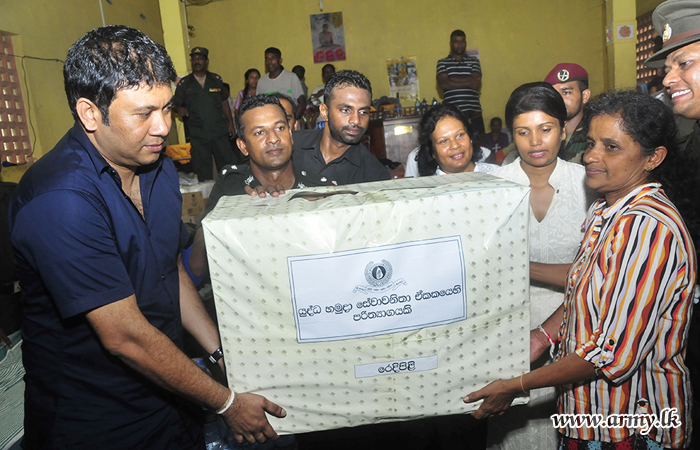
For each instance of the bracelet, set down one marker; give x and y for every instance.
(216, 355)
(521, 384)
(229, 402)
(549, 338)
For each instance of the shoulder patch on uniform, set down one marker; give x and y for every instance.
(228, 168)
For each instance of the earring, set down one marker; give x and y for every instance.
(649, 169)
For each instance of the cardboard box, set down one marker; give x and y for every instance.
(389, 304)
(194, 200)
(192, 205)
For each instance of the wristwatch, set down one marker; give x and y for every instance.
(216, 356)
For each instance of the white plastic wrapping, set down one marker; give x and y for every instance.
(402, 297)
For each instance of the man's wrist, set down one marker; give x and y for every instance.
(216, 355)
(229, 402)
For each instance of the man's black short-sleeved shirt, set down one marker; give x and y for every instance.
(357, 165)
(205, 118)
(233, 180)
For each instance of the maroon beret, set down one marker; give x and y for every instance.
(565, 72)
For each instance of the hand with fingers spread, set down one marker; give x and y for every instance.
(247, 418)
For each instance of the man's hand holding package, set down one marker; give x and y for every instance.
(246, 418)
(262, 191)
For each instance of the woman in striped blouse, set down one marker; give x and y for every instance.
(624, 322)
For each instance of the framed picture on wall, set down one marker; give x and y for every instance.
(403, 78)
(328, 37)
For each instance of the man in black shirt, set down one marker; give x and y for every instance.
(202, 101)
(265, 137)
(336, 151)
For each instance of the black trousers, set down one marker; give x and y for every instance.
(203, 150)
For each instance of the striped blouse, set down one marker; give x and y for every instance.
(627, 311)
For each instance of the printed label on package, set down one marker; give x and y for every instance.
(397, 367)
(378, 290)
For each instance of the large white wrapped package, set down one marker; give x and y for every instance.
(387, 304)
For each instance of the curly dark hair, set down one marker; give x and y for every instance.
(427, 164)
(346, 78)
(253, 102)
(645, 119)
(108, 59)
(537, 96)
(651, 124)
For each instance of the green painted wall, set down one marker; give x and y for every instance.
(519, 42)
(46, 29)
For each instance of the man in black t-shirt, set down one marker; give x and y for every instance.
(265, 137)
(336, 151)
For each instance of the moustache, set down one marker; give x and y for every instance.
(353, 127)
